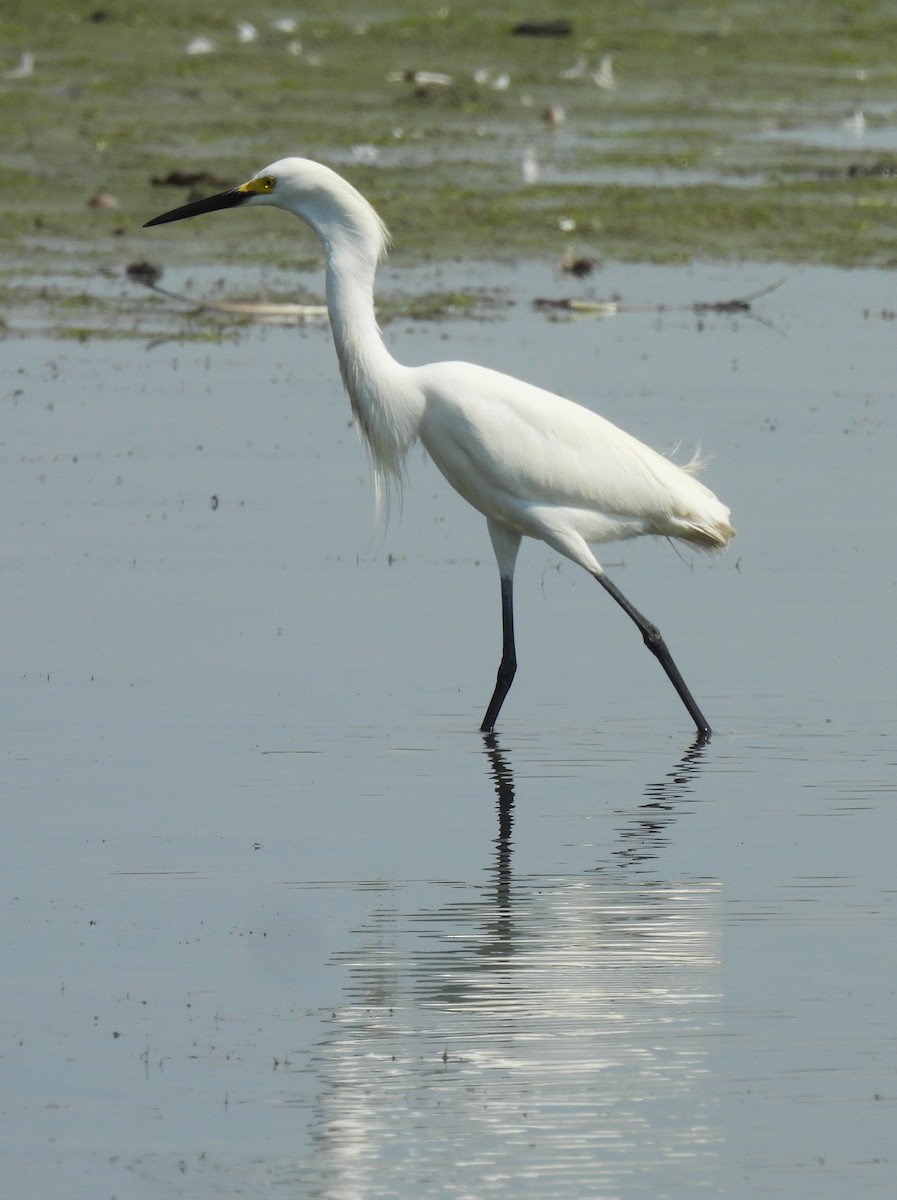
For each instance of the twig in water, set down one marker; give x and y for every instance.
(606, 308)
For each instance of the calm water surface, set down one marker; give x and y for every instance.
(277, 918)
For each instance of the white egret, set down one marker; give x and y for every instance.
(533, 463)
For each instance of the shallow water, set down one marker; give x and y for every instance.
(276, 915)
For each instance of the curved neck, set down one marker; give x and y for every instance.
(353, 322)
(386, 403)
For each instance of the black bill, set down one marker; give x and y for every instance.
(228, 199)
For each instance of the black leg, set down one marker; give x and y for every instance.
(655, 643)
(507, 668)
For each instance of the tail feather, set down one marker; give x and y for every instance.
(702, 520)
(707, 533)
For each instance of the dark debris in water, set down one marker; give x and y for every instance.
(556, 28)
(603, 308)
(880, 168)
(176, 178)
(146, 273)
(578, 265)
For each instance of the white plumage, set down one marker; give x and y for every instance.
(534, 464)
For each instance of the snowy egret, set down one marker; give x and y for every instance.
(534, 464)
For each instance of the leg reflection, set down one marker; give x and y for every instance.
(645, 832)
(503, 781)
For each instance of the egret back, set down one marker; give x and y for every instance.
(506, 445)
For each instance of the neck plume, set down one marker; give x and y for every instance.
(387, 406)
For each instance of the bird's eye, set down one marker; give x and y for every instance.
(268, 183)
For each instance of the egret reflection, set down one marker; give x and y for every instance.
(644, 831)
(551, 1032)
(503, 782)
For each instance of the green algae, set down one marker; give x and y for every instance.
(704, 149)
